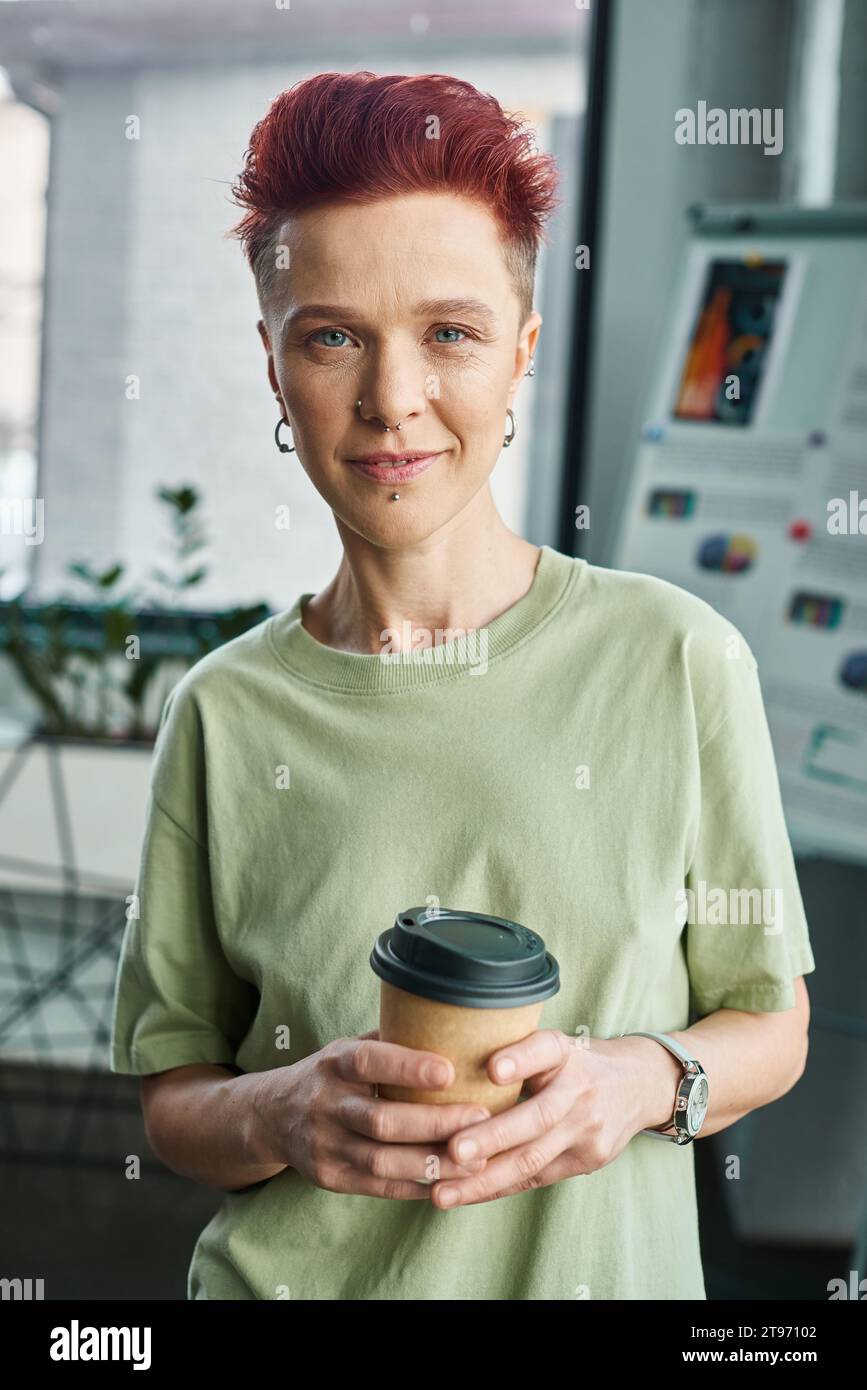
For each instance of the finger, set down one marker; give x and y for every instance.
(521, 1124)
(349, 1180)
(397, 1121)
(562, 1167)
(422, 1162)
(506, 1170)
(371, 1062)
(539, 1051)
(532, 1084)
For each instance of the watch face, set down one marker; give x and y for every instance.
(697, 1105)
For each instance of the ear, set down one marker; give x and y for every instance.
(272, 375)
(524, 351)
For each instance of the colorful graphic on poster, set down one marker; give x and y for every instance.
(853, 672)
(671, 502)
(727, 554)
(815, 610)
(838, 756)
(730, 341)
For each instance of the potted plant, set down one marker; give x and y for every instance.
(95, 674)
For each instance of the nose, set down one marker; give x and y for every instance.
(378, 420)
(392, 391)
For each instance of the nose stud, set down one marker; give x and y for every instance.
(387, 428)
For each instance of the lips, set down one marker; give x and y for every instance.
(393, 460)
(393, 468)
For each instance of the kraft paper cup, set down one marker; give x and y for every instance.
(466, 1036)
(462, 985)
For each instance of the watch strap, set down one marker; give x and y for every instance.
(673, 1047)
(670, 1133)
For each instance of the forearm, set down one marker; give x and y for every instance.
(201, 1121)
(750, 1059)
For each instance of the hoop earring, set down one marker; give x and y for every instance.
(284, 448)
(509, 437)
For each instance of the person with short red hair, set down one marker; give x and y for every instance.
(459, 718)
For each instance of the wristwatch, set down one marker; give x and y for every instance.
(690, 1105)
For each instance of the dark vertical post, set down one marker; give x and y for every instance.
(577, 395)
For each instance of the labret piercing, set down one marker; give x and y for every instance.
(395, 496)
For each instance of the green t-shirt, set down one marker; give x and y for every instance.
(600, 748)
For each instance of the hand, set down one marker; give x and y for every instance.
(322, 1117)
(585, 1103)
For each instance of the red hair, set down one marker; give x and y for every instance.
(361, 137)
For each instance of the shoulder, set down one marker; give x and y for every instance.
(668, 630)
(200, 719)
(666, 613)
(212, 689)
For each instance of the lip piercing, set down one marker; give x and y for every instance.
(395, 496)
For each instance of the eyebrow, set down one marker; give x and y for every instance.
(439, 308)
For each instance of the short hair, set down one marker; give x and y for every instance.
(361, 137)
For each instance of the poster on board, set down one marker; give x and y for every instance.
(749, 488)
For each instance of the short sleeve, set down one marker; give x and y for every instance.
(177, 999)
(747, 938)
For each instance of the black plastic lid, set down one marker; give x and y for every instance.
(465, 958)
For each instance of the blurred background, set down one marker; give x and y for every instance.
(700, 395)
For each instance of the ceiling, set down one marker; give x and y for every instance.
(38, 35)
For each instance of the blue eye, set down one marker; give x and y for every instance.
(332, 335)
(335, 332)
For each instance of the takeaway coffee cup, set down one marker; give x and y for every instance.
(462, 985)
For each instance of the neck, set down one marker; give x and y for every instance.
(461, 578)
